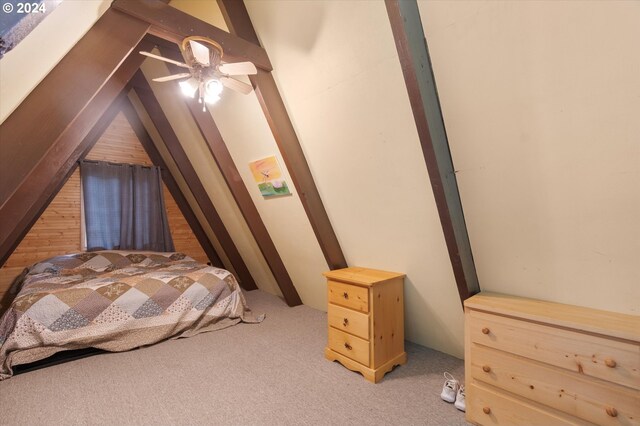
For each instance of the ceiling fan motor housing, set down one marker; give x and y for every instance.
(207, 74)
(196, 57)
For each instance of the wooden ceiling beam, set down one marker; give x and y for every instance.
(156, 158)
(237, 19)
(171, 141)
(33, 128)
(418, 75)
(174, 25)
(46, 177)
(223, 159)
(89, 141)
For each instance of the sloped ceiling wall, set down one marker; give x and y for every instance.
(539, 100)
(31, 60)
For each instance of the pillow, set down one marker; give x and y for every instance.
(103, 261)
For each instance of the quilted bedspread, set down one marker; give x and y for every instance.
(115, 301)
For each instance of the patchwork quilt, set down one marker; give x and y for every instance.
(115, 301)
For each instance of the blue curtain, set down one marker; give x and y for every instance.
(124, 207)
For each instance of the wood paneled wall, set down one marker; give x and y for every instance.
(57, 231)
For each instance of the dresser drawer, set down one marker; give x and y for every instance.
(348, 320)
(350, 346)
(592, 400)
(608, 359)
(489, 407)
(350, 296)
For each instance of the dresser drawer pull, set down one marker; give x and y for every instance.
(347, 346)
(345, 322)
(486, 410)
(486, 368)
(345, 295)
(485, 330)
(612, 412)
(610, 362)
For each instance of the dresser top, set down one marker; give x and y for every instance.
(614, 324)
(362, 276)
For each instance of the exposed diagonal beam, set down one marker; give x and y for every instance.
(239, 23)
(86, 145)
(171, 141)
(153, 153)
(423, 95)
(174, 25)
(47, 176)
(222, 157)
(46, 113)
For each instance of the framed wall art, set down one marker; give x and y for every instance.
(268, 175)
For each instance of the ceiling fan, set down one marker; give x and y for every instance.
(207, 74)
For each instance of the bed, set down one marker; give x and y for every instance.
(114, 301)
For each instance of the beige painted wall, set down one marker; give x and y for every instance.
(248, 138)
(541, 102)
(337, 68)
(30, 61)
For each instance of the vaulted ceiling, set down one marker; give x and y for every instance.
(40, 170)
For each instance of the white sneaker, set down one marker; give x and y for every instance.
(450, 388)
(459, 404)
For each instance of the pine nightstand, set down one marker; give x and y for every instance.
(366, 320)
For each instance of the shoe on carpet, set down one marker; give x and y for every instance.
(459, 404)
(450, 388)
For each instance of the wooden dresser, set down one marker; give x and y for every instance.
(366, 320)
(530, 362)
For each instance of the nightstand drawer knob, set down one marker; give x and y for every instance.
(486, 368)
(347, 346)
(486, 410)
(610, 363)
(612, 412)
(345, 322)
(345, 295)
(485, 330)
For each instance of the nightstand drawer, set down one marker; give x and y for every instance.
(348, 320)
(574, 394)
(350, 296)
(350, 346)
(608, 359)
(488, 407)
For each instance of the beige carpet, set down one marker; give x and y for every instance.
(271, 373)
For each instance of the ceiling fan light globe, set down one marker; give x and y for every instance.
(189, 87)
(213, 88)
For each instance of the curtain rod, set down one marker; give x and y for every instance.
(111, 163)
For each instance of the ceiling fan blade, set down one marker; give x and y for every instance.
(200, 52)
(238, 68)
(172, 77)
(162, 58)
(236, 85)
